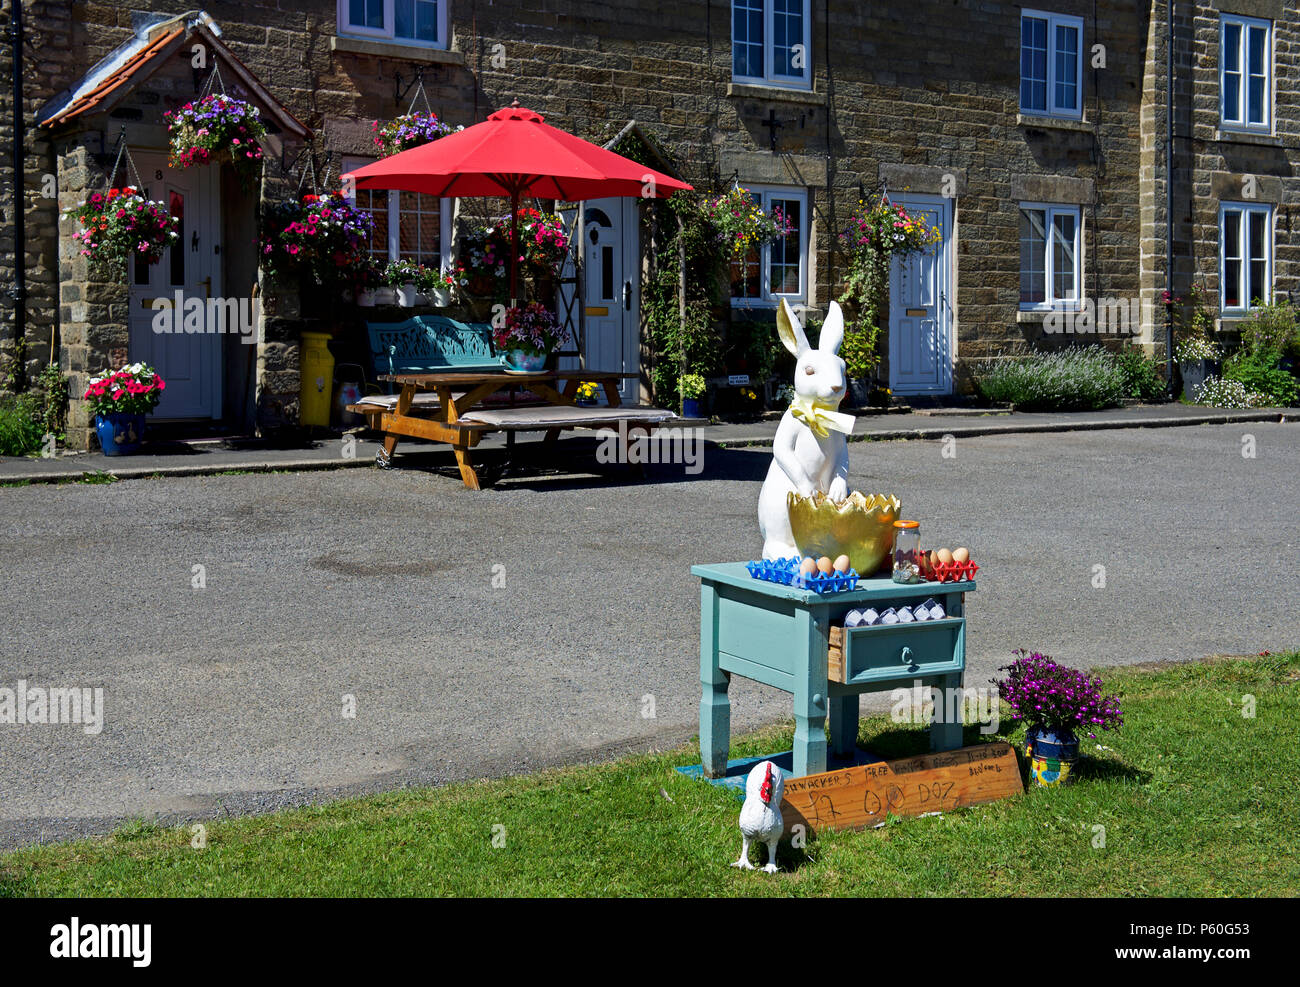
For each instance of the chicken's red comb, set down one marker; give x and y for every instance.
(765, 793)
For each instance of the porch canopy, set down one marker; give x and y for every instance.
(510, 154)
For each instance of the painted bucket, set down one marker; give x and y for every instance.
(1052, 757)
(119, 434)
(528, 362)
(690, 407)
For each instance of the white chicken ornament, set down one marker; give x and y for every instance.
(760, 816)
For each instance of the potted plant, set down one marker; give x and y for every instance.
(408, 131)
(691, 387)
(320, 239)
(119, 400)
(739, 223)
(586, 394)
(527, 337)
(412, 281)
(1055, 703)
(120, 223)
(1198, 360)
(217, 127)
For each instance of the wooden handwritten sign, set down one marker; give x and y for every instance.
(854, 798)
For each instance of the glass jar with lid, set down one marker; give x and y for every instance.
(907, 552)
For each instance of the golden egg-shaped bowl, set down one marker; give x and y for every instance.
(861, 526)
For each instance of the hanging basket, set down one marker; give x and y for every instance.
(216, 128)
(122, 222)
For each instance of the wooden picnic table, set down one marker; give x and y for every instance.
(460, 391)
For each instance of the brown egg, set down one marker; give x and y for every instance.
(807, 567)
(961, 555)
(824, 565)
(842, 564)
(945, 556)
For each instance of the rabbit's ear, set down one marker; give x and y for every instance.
(791, 332)
(832, 334)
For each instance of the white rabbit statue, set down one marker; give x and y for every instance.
(811, 450)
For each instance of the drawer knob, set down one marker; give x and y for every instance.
(906, 656)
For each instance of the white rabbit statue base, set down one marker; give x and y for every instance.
(811, 451)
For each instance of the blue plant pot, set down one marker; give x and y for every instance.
(690, 407)
(1052, 756)
(119, 434)
(525, 362)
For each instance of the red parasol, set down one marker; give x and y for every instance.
(513, 153)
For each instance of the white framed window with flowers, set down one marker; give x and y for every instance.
(406, 225)
(1245, 73)
(1051, 261)
(1245, 256)
(779, 269)
(411, 22)
(771, 42)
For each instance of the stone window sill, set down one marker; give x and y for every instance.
(1247, 137)
(776, 94)
(1055, 123)
(1030, 316)
(389, 49)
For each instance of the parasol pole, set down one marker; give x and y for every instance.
(514, 245)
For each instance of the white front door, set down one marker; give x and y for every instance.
(920, 308)
(189, 362)
(612, 288)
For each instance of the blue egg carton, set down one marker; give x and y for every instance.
(786, 572)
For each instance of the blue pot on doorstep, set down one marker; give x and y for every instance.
(1052, 756)
(119, 434)
(524, 362)
(690, 407)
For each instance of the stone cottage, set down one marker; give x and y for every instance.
(1039, 141)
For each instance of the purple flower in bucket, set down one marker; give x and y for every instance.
(1055, 698)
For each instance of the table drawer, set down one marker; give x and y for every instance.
(894, 651)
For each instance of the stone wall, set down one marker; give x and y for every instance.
(891, 101)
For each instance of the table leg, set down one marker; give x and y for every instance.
(404, 401)
(810, 696)
(946, 734)
(844, 724)
(715, 706)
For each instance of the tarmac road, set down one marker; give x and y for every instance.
(380, 586)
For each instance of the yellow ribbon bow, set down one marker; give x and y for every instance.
(821, 418)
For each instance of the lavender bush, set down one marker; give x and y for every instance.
(1075, 379)
(1056, 698)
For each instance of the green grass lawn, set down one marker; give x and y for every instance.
(1195, 800)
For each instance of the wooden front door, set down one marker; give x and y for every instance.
(921, 308)
(612, 288)
(189, 358)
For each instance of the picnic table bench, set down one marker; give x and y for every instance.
(446, 372)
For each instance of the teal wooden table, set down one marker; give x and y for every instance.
(794, 640)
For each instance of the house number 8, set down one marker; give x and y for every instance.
(157, 174)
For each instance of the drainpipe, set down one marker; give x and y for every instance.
(1169, 201)
(19, 290)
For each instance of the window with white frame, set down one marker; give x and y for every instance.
(415, 22)
(778, 269)
(771, 42)
(1245, 255)
(406, 225)
(1050, 258)
(1245, 73)
(1051, 64)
